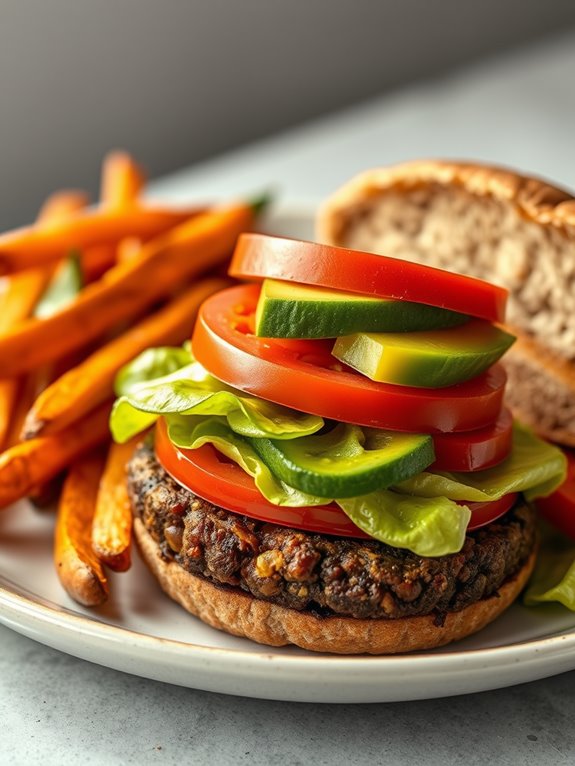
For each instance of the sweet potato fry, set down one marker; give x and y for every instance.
(112, 524)
(8, 390)
(24, 290)
(128, 248)
(29, 247)
(122, 180)
(60, 205)
(17, 302)
(44, 495)
(126, 289)
(96, 261)
(24, 393)
(30, 464)
(77, 566)
(21, 296)
(90, 383)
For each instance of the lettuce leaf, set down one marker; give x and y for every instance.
(191, 390)
(534, 467)
(149, 365)
(426, 526)
(191, 433)
(126, 421)
(554, 575)
(419, 514)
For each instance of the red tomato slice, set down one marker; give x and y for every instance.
(258, 256)
(303, 375)
(475, 450)
(484, 513)
(559, 508)
(208, 474)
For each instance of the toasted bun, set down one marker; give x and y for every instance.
(240, 614)
(495, 224)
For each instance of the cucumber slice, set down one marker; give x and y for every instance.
(431, 359)
(291, 310)
(347, 461)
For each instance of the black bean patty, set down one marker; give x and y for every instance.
(324, 574)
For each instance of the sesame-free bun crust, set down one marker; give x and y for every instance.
(240, 614)
(493, 223)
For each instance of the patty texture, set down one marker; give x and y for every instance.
(319, 573)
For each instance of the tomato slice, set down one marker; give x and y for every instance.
(259, 256)
(210, 475)
(213, 477)
(303, 375)
(475, 450)
(559, 508)
(484, 513)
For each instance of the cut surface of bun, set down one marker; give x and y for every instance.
(492, 223)
(240, 614)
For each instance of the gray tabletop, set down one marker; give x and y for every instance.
(55, 709)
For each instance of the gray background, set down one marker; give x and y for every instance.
(176, 81)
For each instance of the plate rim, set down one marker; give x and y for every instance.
(22, 610)
(263, 674)
(59, 616)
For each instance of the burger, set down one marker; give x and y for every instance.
(330, 462)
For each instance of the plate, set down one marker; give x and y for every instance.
(140, 631)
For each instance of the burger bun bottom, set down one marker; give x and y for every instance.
(240, 614)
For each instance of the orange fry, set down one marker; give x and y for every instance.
(8, 390)
(24, 290)
(83, 387)
(96, 261)
(17, 302)
(59, 205)
(32, 463)
(126, 289)
(128, 248)
(77, 566)
(25, 391)
(122, 180)
(29, 247)
(112, 523)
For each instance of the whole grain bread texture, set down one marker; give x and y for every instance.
(493, 223)
(238, 613)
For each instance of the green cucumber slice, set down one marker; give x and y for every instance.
(432, 359)
(347, 461)
(291, 310)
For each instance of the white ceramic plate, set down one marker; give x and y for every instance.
(142, 632)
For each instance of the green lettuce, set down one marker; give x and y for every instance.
(554, 575)
(191, 390)
(419, 514)
(149, 365)
(534, 467)
(193, 432)
(426, 526)
(432, 526)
